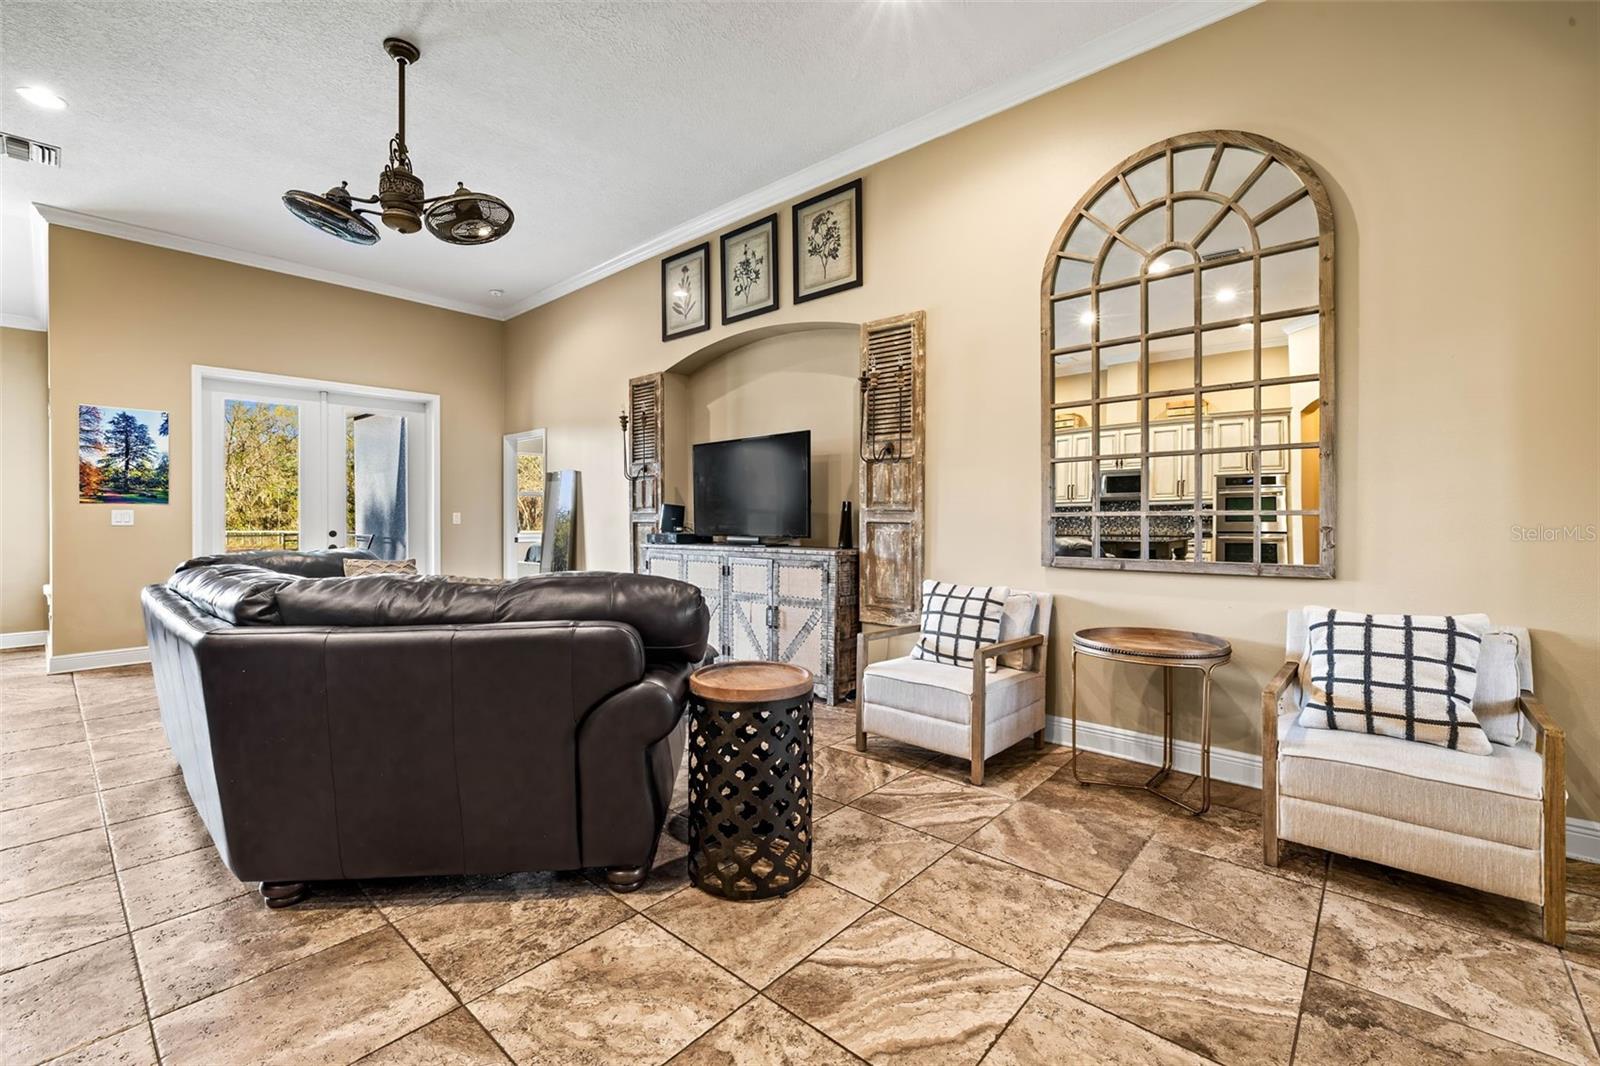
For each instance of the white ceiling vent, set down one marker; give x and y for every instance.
(26, 151)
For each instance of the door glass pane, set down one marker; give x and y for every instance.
(376, 473)
(260, 475)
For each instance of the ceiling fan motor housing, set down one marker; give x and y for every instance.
(400, 193)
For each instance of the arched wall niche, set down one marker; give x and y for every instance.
(771, 379)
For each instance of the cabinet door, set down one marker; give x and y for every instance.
(704, 571)
(1073, 486)
(1166, 471)
(1274, 430)
(1232, 432)
(801, 609)
(749, 629)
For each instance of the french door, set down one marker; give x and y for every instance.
(304, 468)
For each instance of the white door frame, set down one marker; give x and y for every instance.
(508, 495)
(200, 489)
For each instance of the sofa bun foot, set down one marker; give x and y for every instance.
(283, 893)
(626, 878)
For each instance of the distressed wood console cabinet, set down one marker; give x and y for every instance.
(789, 605)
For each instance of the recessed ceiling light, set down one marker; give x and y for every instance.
(497, 292)
(39, 96)
(1160, 266)
(1247, 327)
(1086, 319)
(1225, 296)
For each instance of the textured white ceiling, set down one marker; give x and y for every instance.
(604, 125)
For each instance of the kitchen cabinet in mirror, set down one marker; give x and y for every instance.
(1187, 324)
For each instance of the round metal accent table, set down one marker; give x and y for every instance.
(1169, 649)
(750, 779)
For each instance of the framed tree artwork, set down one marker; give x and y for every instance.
(827, 243)
(686, 292)
(750, 270)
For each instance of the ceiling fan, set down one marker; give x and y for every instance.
(460, 217)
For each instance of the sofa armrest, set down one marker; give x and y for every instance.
(864, 641)
(1543, 724)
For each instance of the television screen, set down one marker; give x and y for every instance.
(754, 487)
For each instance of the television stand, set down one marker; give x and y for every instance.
(778, 604)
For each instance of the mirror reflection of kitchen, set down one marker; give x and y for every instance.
(1176, 476)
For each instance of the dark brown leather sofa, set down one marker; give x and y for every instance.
(332, 728)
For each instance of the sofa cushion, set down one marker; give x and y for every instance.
(945, 692)
(1495, 797)
(238, 594)
(302, 564)
(669, 616)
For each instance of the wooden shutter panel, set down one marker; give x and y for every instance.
(646, 397)
(891, 482)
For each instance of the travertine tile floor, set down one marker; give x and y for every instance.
(1029, 921)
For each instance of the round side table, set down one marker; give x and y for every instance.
(1170, 649)
(750, 779)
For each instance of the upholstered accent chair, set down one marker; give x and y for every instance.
(968, 712)
(1492, 822)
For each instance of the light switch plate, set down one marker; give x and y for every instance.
(455, 518)
(122, 516)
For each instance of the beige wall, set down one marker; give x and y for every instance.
(24, 486)
(775, 385)
(127, 322)
(1459, 144)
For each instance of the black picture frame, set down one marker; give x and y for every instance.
(703, 249)
(798, 242)
(729, 264)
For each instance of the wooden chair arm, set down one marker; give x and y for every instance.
(1001, 647)
(865, 637)
(1533, 707)
(1271, 697)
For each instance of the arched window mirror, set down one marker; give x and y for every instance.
(1188, 365)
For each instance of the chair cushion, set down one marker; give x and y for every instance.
(1017, 621)
(945, 692)
(1495, 797)
(1400, 675)
(956, 619)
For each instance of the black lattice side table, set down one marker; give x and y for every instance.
(750, 779)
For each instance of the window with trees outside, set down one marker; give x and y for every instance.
(1187, 325)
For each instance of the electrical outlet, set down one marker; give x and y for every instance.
(455, 518)
(122, 516)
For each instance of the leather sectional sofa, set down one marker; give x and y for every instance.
(331, 728)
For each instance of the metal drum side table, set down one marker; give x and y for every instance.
(1169, 649)
(750, 779)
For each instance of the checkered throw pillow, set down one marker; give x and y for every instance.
(1395, 675)
(956, 619)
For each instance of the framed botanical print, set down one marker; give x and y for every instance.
(686, 292)
(750, 270)
(827, 243)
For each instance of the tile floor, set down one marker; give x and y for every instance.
(1028, 921)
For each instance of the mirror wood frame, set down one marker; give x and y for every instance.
(1313, 190)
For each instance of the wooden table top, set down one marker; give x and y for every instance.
(1140, 642)
(750, 682)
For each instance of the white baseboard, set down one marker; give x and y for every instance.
(1583, 840)
(1238, 767)
(95, 660)
(33, 638)
(1235, 767)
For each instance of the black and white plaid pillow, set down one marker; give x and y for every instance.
(956, 619)
(1397, 675)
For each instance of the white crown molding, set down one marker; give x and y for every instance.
(33, 638)
(60, 216)
(1236, 767)
(95, 660)
(1152, 31)
(21, 322)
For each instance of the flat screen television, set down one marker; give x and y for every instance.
(754, 487)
